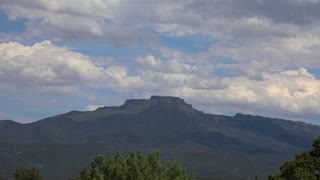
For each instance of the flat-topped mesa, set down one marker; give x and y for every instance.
(135, 102)
(157, 100)
(170, 98)
(169, 101)
(138, 105)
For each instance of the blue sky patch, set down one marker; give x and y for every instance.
(187, 44)
(11, 26)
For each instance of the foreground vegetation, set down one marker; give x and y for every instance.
(134, 167)
(305, 166)
(23, 173)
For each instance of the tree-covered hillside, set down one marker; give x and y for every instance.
(205, 144)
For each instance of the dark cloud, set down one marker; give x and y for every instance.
(281, 11)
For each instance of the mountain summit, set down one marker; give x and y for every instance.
(165, 101)
(206, 144)
(136, 106)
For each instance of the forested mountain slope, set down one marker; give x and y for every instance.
(206, 144)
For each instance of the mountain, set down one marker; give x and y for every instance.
(206, 144)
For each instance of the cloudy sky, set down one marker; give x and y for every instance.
(256, 57)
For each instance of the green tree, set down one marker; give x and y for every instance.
(134, 167)
(315, 155)
(175, 171)
(305, 166)
(24, 173)
(156, 167)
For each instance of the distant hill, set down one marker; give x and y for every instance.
(206, 144)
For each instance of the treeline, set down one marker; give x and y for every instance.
(135, 167)
(24, 173)
(305, 166)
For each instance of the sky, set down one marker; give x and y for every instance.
(257, 57)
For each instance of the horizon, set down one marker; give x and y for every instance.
(223, 57)
(95, 108)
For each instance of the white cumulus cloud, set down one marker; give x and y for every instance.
(45, 65)
(290, 94)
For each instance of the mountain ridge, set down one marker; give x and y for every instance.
(178, 100)
(170, 99)
(206, 144)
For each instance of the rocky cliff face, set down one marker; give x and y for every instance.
(139, 105)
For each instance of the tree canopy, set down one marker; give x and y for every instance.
(305, 165)
(26, 173)
(134, 167)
